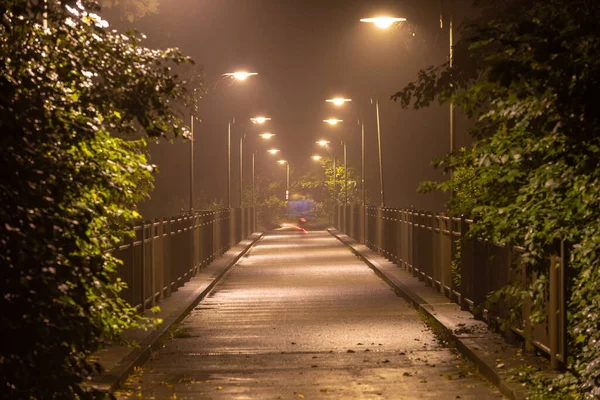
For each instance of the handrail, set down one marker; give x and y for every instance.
(426, 244)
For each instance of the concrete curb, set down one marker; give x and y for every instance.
(181, 303)
(482, 347)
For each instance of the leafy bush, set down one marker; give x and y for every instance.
(69, 95)
(527, 72)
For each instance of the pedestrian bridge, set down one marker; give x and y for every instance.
(300, 316)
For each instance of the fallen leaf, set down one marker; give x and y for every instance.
(323, 390)
(300, 395)
(385, 361)
(218, 387)
(407, 374)
(351, 351)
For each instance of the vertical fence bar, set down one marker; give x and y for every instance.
(143, 267)
(553, 316)
(564, 262)
(153, 227)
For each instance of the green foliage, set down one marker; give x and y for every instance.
(69, 96)
(527, 72)
(320, 186)
(269, 199)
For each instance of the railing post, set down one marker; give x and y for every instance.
(161, 269)
(379, 223)
(466, 264)
(553, 317)
(565, 255)
(143, 268)
(169, 269)
(527, 325)
(153, 225)
(412, 240)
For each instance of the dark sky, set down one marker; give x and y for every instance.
(304, 52)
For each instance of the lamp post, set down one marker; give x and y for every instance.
(287, 183)
(382, 22)
(340, 101)
(235, 76)
(255, 121)
(325, 144)
(450, 63)
(385, 22)
(334, 121)
(382, 194)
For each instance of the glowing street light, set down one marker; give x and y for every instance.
(266, 135)
(316, 158)
(259, 120)
(338, 101)
(383, 22)
(240, 75)
(332, 121)
(322, 143)
(273, 151)
(282, 161)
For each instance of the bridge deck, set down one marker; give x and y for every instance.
(301, 317)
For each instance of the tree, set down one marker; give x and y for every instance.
(527, 72)
(70, 95)
(268, 201)
(321, 185)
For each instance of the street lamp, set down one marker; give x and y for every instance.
(255, 120)
(316, 158)
(266, 135)
(236, 76)
(322, 143)
(273, 151)
(338, 101)
(240, 75)
(332, 121)
(259, 120)
(383, 22)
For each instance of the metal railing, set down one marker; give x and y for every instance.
(434, 248)
(166, 253)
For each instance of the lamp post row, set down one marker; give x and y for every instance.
(380, 22)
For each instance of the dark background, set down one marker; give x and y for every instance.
(304, 51)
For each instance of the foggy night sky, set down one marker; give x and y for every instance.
(304, 51)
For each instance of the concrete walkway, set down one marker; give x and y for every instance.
(301, 317)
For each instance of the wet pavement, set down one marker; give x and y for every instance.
(301, 317)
